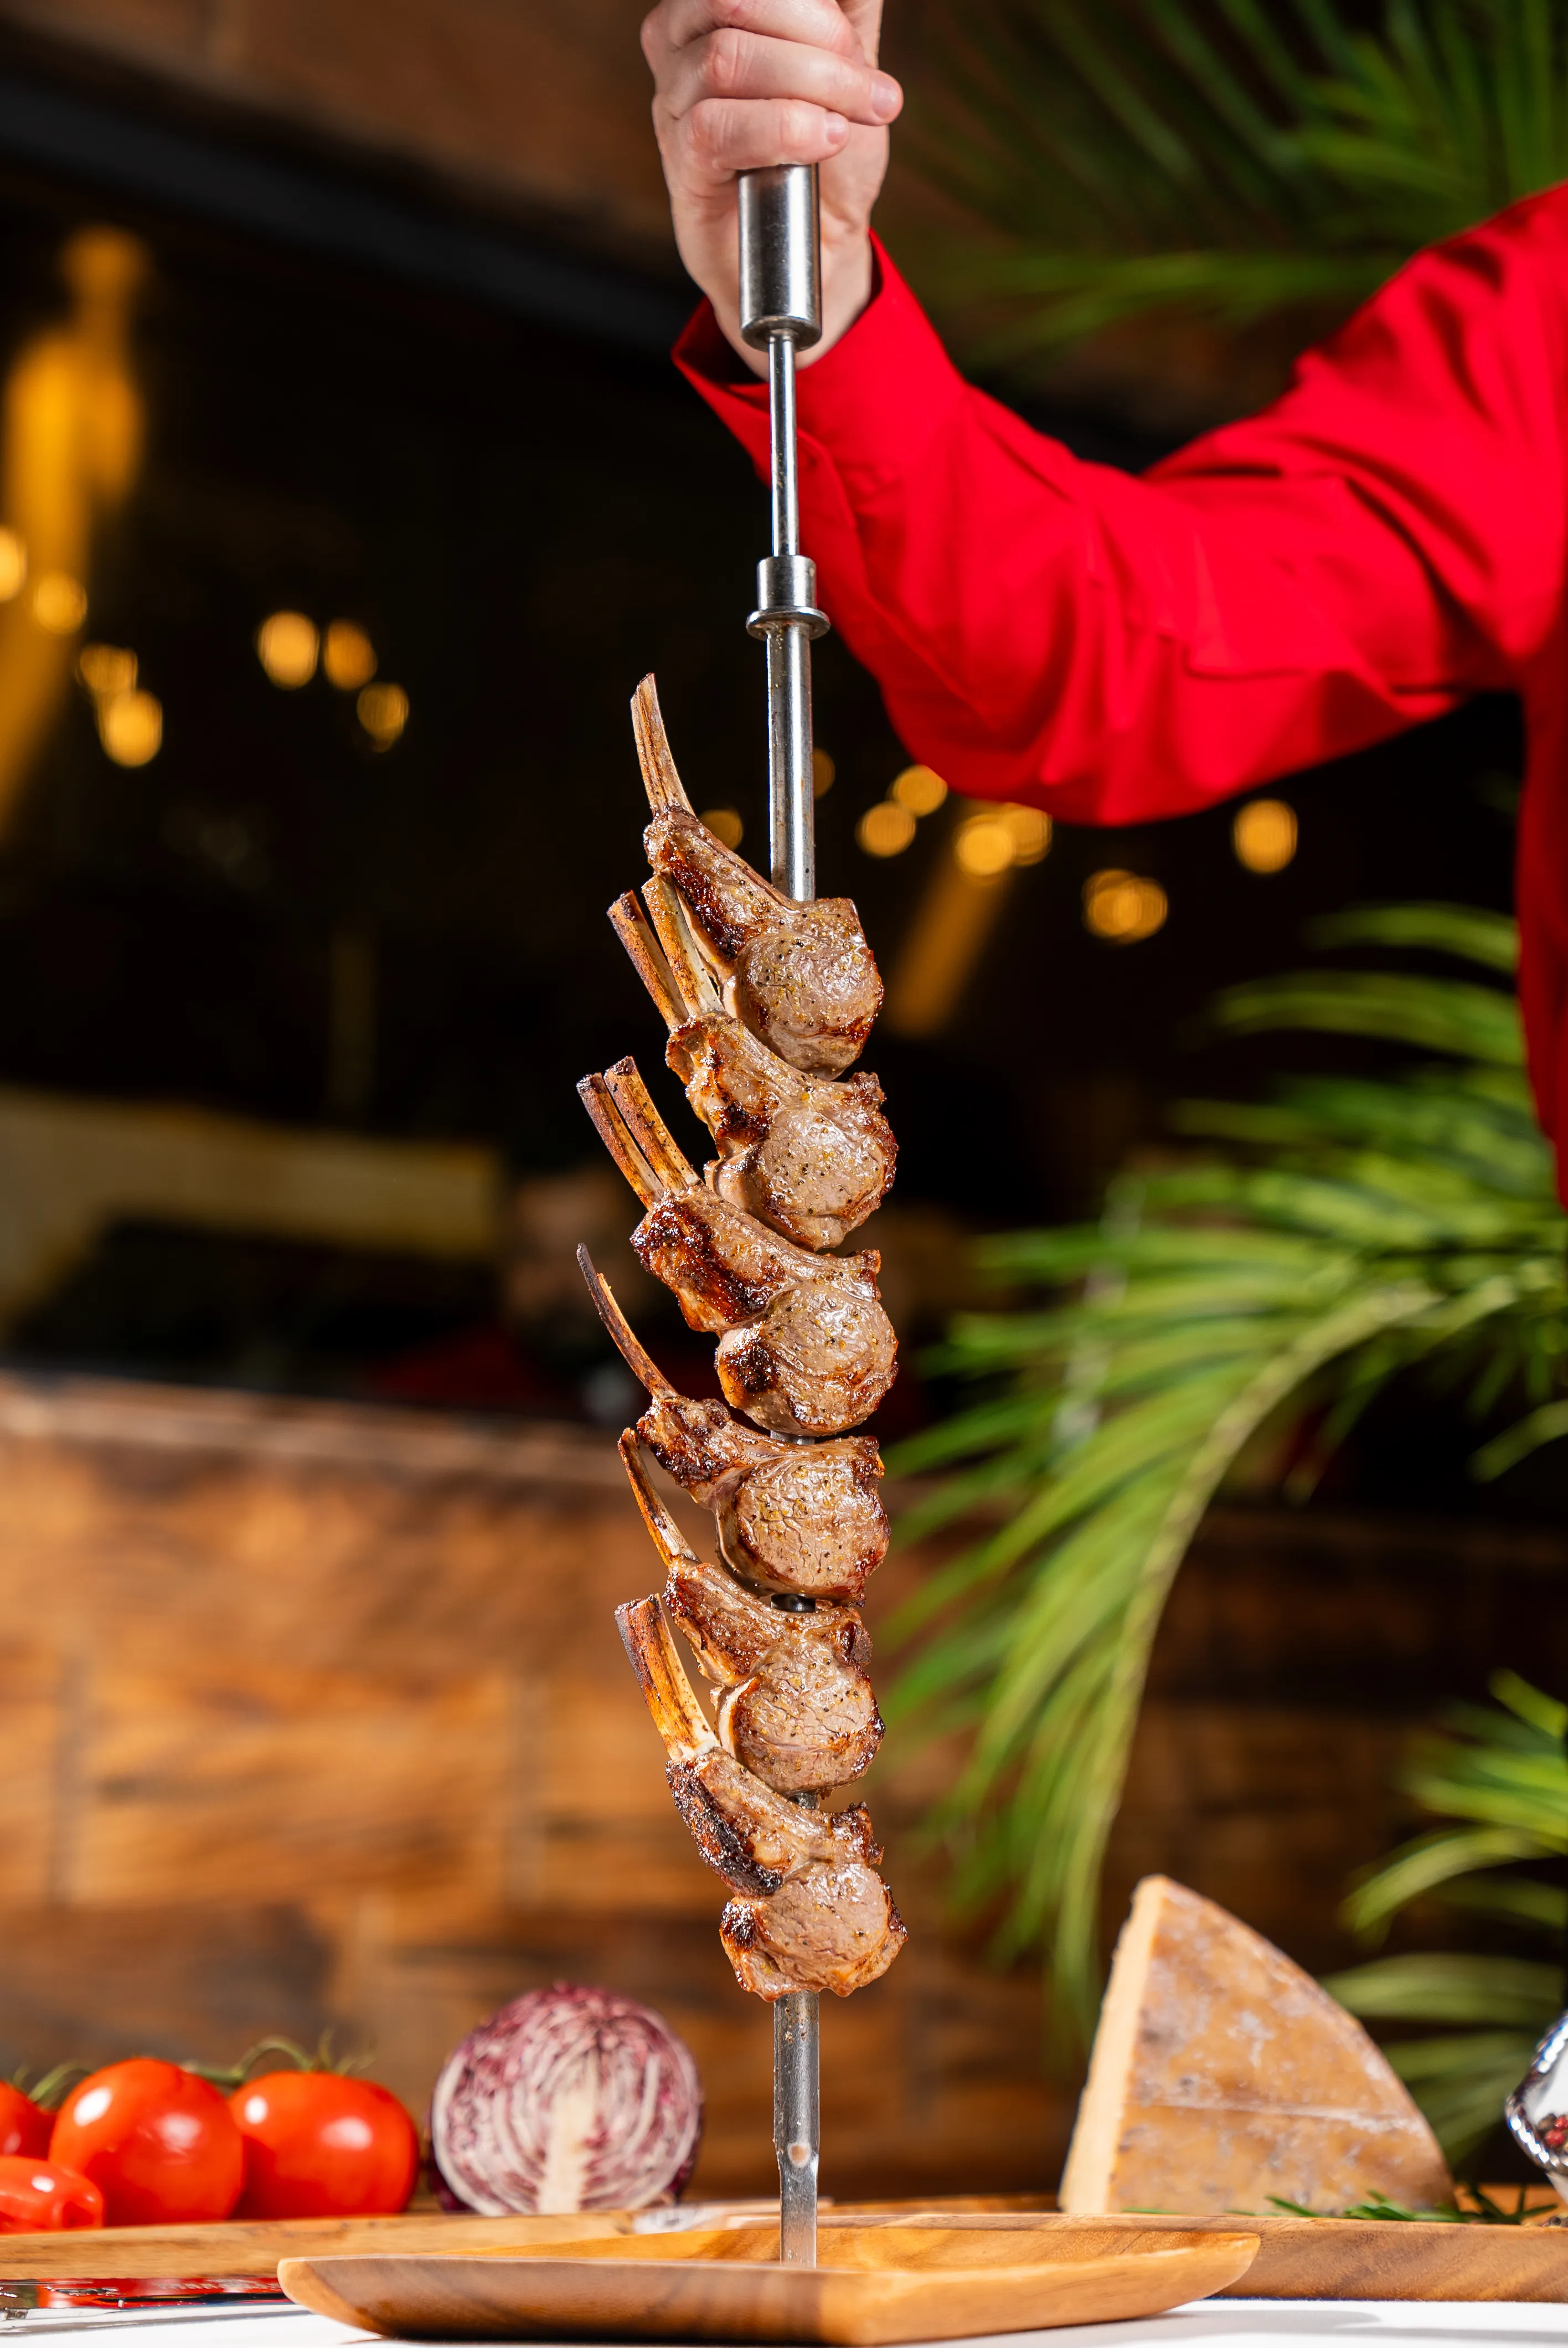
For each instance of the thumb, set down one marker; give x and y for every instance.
(866, 19)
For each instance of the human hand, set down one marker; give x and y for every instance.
(742, 83)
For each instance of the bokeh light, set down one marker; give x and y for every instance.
(12, 565)
(59, 602)
(983, 846)
(886, 829)
(725, 824)
(823, 771)
(1264, 835)
(384, 713)
(130, 727)
(107, 669)
(1122, 907)
(919, 790)
(288, 647)
(1030, 830)
(348, 656)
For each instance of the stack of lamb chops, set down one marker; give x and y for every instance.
(767, 1003)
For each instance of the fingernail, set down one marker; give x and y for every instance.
(836, 127)
(887, 97)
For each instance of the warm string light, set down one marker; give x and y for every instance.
(1263, 834)
(992, 842)
(291, 647)
(288, 647)
(383, 711)
(348, 656)
(59, 602)
(888, 829)
(130, 719)
(1122, 907)
(725, 824)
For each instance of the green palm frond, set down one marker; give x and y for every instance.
(1503, 1775)
(1126, 159)
(1340, 1235)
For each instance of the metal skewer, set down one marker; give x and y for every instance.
(780, 312)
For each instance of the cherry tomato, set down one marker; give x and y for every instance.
(160, 2143)
(321, 2145)
(41, 2197)
(25, 2125)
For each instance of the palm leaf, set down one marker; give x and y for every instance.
(1323, 1249)
(1126, 159)
(1507, 1767)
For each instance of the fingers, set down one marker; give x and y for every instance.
(729, 65)
(721, 137)
(814, 24)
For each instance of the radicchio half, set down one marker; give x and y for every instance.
(568, 2098)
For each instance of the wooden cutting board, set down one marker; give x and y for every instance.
(1343, 2258)
(253, 2247)
(871, 2286)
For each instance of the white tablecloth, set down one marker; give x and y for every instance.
(1206, 2324)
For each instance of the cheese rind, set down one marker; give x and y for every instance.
(1222, 2077)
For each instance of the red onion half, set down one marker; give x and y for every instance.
(568, 2099)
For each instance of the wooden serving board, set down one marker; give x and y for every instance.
(873, 2285)
(1339, 2258)
(253, 2247)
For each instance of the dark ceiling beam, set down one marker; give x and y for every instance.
(305, 208)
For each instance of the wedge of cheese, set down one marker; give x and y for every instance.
(1222, 2077)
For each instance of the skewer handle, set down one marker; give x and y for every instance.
(780, 312)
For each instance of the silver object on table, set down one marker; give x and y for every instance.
(780, 312)
(1537, 2111)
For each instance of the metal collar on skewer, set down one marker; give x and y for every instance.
(786, 596)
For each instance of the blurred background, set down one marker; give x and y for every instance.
(345, 492)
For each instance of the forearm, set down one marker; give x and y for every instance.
(1120, 647)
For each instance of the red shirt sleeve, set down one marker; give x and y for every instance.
(1386, 539)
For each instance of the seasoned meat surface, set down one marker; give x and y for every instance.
(815, 1363)
(766, 1004)
(807, 1349)
(810, 1160)
(832, 1925)
(797, 1706)
(812, 1913)
(797, 1517)
(800, 976)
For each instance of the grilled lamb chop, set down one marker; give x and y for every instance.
(813, 1914)
(800, 976)
(834, 1928)
(801, 1517)
(806, 1348)
(797, 1706)
(809, 1158)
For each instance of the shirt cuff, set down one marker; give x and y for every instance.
(872, 406)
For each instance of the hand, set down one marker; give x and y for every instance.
(738, 83)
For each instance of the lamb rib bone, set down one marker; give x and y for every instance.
(801, 976)
(805, 1348)
(808, 1157)
(813, 1914)
(804, 1518)
(797, 1706)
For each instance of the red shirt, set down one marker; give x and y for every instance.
(1387, 539)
